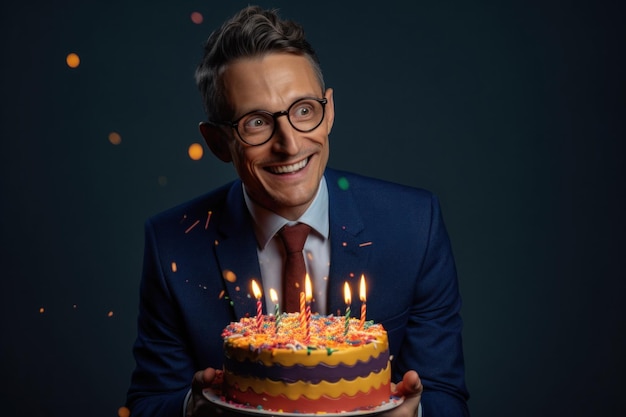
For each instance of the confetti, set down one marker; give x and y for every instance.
(192, 226)
(208, 218)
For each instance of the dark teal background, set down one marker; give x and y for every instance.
(512, 112)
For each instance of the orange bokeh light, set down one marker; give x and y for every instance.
(72, 60)
(123, 412)
(115, 138)
(195, 151)
(229, 275)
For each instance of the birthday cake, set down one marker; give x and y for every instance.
(331, 365)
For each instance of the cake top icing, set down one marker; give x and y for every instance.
(289, 331)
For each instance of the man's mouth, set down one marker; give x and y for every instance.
(288, 169)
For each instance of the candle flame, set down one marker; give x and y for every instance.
(256, 291)
(347, 294)
(362, 289)
(308, 290)
(273, 296)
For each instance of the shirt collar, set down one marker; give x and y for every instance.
(268, 223)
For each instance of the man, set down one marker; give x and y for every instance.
(270, 115)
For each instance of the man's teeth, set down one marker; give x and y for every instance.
(286, 169)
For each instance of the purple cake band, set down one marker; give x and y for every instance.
(312, 374)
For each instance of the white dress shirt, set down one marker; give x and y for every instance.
(271, 250)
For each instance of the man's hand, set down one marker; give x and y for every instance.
(198, 406)
(411, 389)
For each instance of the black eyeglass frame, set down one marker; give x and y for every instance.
(235, 123)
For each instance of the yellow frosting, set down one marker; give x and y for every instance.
(238, 348)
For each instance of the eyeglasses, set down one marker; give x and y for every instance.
(258, 126)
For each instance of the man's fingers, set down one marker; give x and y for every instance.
(203, 379)
(410, 385)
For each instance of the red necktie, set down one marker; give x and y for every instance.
(295, 270)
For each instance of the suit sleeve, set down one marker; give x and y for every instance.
(164, 369)
(432, 344)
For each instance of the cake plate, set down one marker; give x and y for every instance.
(216, 398)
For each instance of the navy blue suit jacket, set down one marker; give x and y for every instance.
(200, 257)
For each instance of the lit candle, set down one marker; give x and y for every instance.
(274, 298)
(363, 297)
(302, 313)
(347, 296)
(256, 291)
(308, 293)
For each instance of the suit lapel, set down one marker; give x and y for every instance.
(236, 252)
(350, 245)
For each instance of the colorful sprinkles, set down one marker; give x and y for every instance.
(327, 333)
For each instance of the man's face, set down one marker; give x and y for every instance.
(284, 173)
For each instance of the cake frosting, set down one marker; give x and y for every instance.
(335, 365)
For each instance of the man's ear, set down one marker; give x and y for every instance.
(330, 110)
(216, 140)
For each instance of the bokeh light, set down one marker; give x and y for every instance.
(115, 138)
(110, 314)
(197, 18)
(72, 60)
(229, 275)
(343, 183)
(42, 310)
(195, 151)
(123, 412)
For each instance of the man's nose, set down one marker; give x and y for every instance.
(285, 135)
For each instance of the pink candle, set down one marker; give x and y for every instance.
(256, 291)
(362, 296)
(362, 322)
(307, 338)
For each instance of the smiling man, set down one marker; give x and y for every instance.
(270, 115)
(280, 159)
